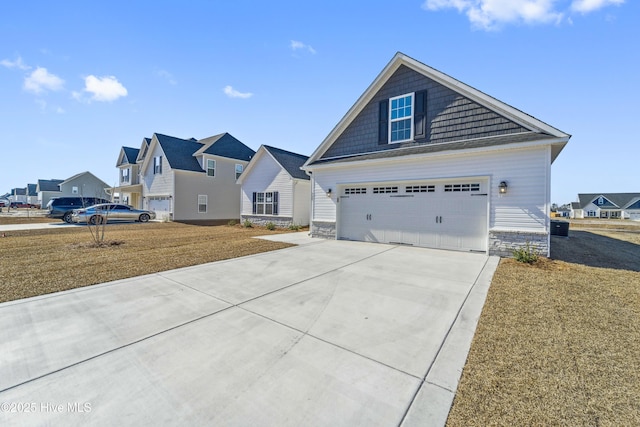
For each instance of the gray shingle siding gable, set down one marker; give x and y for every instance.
(450, 117)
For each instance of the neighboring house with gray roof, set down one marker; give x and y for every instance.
(129, 187)
(47, 189)
(423, 159)
(607, 205)
(275, 189)
(18, 195)
(32, 194)
(193, 180)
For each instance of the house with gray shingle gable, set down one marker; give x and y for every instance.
(275, 189)
(47, 189)
(423, 159)
(129, 187)
(607, 205)
(18, 195)
(193, 180)
(32, 194)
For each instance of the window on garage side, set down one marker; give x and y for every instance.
(239, 169)
(211, 167)
(401, 118)
(265, 203)
(202, 203)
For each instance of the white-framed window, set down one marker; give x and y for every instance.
(239, 169)
(600, 201)
(401, 118)
(202, 203)
(265, 203)
(74, 190)
(211, 167)
(125, 175)
(157, 165)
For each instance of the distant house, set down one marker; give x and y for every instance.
(275, 189)
(46, 189)
(607, 205)
(18, 195)
(129, 185)
(186, 179)
(84, 184)
(32, 194)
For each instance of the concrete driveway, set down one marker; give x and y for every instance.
(326, 333)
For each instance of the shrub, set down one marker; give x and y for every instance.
(232, 222)
(247, 223)
(294, 227)
(525, 254)
(270, 226)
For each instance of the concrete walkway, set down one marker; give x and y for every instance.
(326, 333)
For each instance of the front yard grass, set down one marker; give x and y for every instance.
(37, 262)
(558, 342)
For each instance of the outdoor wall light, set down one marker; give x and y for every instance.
(502, 187)
(329, 193)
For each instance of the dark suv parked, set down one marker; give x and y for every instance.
(62, 207)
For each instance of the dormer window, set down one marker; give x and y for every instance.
(600, 201)
(211, 167)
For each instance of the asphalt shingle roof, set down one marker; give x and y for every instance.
(391, 151)
(225, 145)
(49, 184)
(619, 199)
(31, 190)
(131, 154)
(291, 162)
(179, 152)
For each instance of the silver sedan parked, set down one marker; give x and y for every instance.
(109, 212)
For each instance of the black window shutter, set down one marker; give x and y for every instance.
(420, 115)
(383, 122)
(275, 203)
(255, 209)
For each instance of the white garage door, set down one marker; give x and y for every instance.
(443, 214)
(161, 205)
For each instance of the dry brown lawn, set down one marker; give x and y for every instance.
(7, 218)
(37, 262)
(558, 342)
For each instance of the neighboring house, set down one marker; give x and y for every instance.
(32, 194)
(423, 159)
(84, 184)
(607, 205)
(129, 186)
(47, 189)
(193, 180)
(18, 195)
(275, 189)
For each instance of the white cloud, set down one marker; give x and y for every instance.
(106, 88)
(15, 64)
(40, 80)
(297, 45)
(493, 14)
(232, 93)
(586, 6)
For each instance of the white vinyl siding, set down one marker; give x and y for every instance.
(267, 176)
(157, 185)
(523, 208)
(301, 202)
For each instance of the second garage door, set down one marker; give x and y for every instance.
(443, 214)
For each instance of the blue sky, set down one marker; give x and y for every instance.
(79, 80)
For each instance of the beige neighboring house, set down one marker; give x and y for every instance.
(129, 186)
(187, 179)
(83, 184)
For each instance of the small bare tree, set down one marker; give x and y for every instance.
(97, 223)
